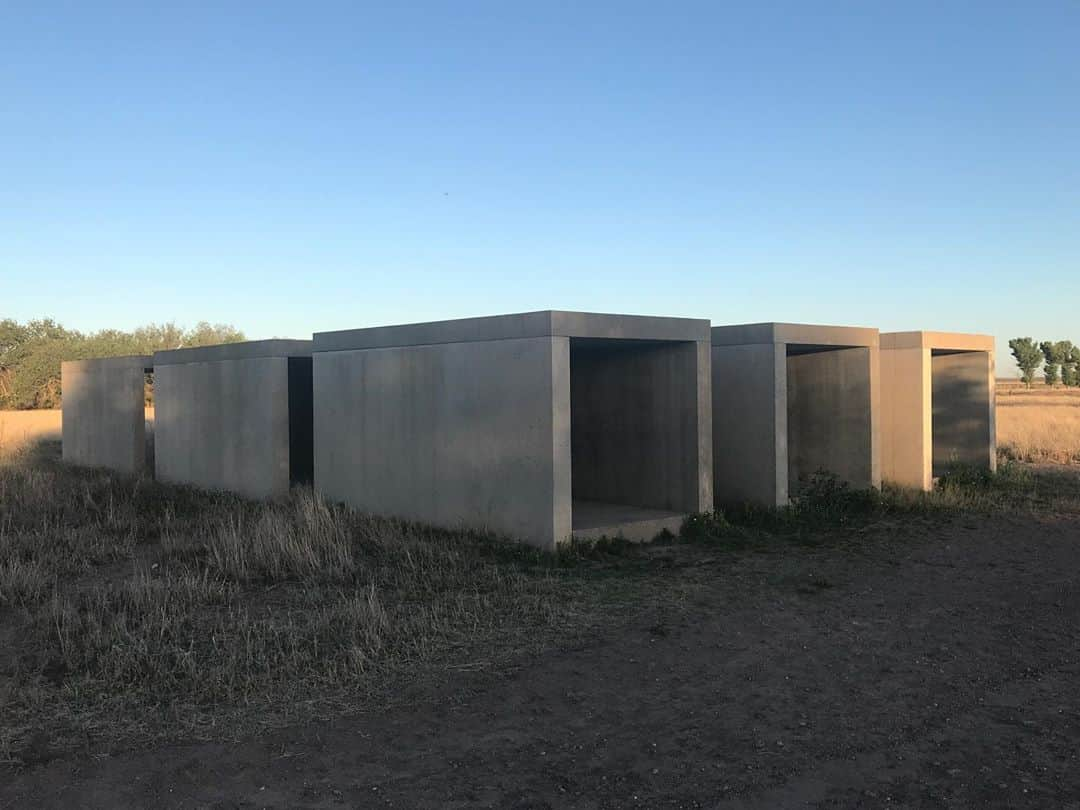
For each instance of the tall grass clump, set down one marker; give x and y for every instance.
(146, 609)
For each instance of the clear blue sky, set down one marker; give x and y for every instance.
(291, 168)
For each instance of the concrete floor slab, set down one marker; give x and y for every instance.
(596, 519)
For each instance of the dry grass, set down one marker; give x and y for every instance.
(1040, 425)
(20, 429)
(132, 610)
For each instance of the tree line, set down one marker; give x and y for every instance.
(1060, 360)
(31, 353)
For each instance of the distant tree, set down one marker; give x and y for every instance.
(31, 353)
(1070, 364)
(1052, 353)
(1028, 357)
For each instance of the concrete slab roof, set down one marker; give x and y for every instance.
(143, 361)
(548, 323)
(248, 350)
(949, 341)
(804, 334)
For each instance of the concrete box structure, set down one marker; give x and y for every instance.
(104, 412)
(538, 426)
(937, 405)
(790, 400)
(235, 417)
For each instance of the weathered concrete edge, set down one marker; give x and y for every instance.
(546, 323)
(144, 362)
(795, 333)
(953, 341)
(247, 350)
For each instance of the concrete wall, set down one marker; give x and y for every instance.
(937, 404)
(468, 423)
(963, 410)
(789, 400)
(749, 414)
(906, 428)
(472, 434)
(104, 413)
(831, 416)
(225, 424)
(637, 421)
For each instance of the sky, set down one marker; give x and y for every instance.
(300, 167)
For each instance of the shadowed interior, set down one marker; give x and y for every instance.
(829, 414)
(301, 425)
(633, 407)
(960, 409)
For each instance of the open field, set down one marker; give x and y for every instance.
(161, 646)
(1039, 424)
(20, 428)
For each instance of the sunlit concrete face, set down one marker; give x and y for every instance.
(791, 400)
(235, 417)
(536, 426)
(937, 405)
(103, 404)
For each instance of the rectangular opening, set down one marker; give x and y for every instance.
(829, 418)
(960, 409)
(148, 418)
(633, 426)
(301, 425)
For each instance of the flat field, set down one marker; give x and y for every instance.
(1039, 424)
(161, 646)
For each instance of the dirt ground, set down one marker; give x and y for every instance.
(926, 665)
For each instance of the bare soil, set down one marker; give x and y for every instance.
(916, 664)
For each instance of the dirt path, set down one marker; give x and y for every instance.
(937, 671)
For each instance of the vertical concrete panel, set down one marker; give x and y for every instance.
(963, 410)
(703, 427)
(635, 410)
(749, 424)
(831, 416)
(906, 431)
(561, 429)
(104, 413)
(224, 425)
(456, 434)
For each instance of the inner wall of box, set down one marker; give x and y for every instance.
(633, 412)
(829, 415)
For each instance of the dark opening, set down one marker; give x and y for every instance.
(301, 426)
(960, 409)
(828, 414)
(148, 419)
(633, 412)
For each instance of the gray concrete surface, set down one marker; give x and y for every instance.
(104, 412)
(502, 424)
(235, 417)
(790, 400)
(547, 323)
(938, 404)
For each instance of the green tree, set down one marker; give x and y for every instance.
(1070, 365)
(1028, 357)
(31, 353)
(1052, 353)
